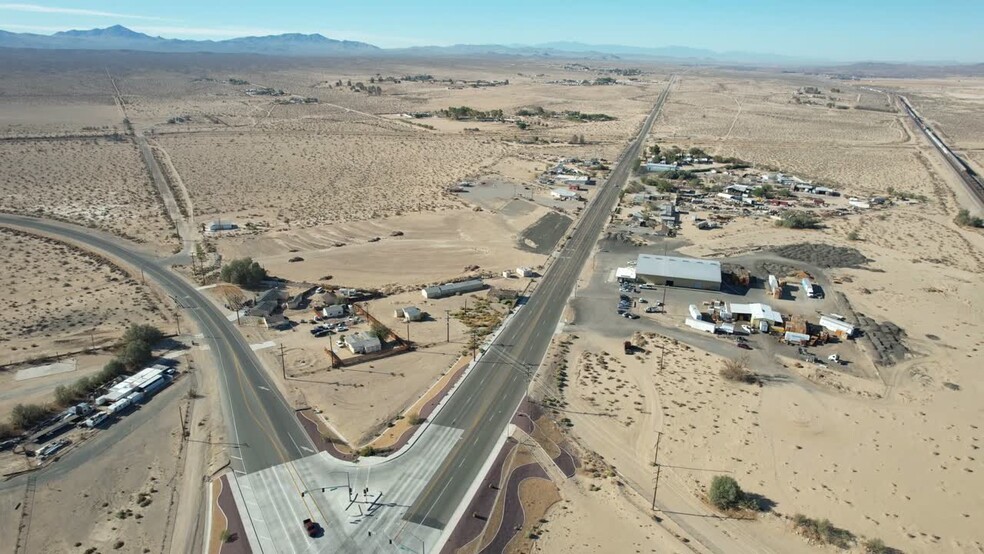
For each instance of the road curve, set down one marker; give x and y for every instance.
(264, 430)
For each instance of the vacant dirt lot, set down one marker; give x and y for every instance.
(95, 182)
(61, 298)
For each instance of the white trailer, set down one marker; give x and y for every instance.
(727, 328)
(837, 326)
(695, 312)
(706, 326)
(773, 284)
(808, 288)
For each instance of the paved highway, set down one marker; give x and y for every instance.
(264, 430)
(427, 483)
(487, 399)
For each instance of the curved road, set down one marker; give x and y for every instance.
(264, 430)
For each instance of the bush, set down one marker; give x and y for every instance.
(964, 219)
(415, 419)
(725, 494)
(7, 431)
(737, 371)
(876, 546)
(853, 235)
(26, 416)
(634, 187)
(793, 219)
(225, 536)
(68, 395)
(822, 531)
(367, 450)
(244, 272)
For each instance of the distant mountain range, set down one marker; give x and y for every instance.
(119, 37)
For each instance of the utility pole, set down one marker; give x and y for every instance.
(142, 281)
(659, 434)
(92, 339)
(661, 355)
(182, 421)
(177, 321)
(447, 318)
(283, 365)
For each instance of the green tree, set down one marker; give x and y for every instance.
(135, 354)
(146, 333)
(26, 416)
(243, 272)
(725, 494)
(379, 331)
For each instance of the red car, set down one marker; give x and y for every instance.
(311, 528)
(743, 345)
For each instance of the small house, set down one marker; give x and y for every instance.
(335, 310)
(363, 343)
(412, 313)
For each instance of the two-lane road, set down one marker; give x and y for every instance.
(264, 430)
(487, 399)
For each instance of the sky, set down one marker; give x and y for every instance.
(832, 30)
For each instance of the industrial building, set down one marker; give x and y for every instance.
(679, 272)
(451, 289)
(755, 313)
(363, 343)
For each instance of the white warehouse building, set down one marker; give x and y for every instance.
(674, 271)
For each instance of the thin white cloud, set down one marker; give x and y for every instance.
(36, 8)
(203, 32)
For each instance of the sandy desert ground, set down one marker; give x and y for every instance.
(903, 467)
(65, 299)
(94, 182)
(859, 452)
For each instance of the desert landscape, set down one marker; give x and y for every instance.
(330, 183)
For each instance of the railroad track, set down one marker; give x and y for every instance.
(967, 174)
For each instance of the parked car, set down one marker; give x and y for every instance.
(652, 310)
(630, 315)
(743, 345)
(746, 329)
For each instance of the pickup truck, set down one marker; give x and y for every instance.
(311, 528)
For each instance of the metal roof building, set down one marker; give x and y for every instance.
(451, 289)
(679, 272)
